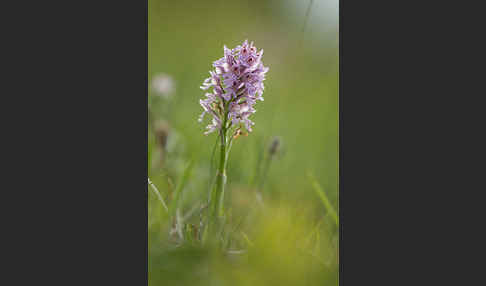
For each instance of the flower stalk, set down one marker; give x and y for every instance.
(218, 198)
(237, 84)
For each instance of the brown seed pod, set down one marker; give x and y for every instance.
(162, 130)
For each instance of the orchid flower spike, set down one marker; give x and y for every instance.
(237, 84)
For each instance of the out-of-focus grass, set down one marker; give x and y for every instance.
(285, 245)
(292, 238)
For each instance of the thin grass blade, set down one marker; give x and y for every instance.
(325, 201)
(157, 193)
(180, 187)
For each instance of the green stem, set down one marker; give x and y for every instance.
(217, 199)
(221, 179)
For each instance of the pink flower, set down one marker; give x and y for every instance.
(237, 83)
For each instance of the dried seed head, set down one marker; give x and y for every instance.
(162, 133)
(163, 85)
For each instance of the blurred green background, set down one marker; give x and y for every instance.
(300, 107)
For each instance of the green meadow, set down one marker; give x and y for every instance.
(281, 223)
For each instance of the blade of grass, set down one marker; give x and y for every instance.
(192, 211)
(317, 247)
(178, 192)
(248, 241)
(324, 199)
(157, 193)
(179, 224)
(314, 230)
(259, 160)
(306, 19)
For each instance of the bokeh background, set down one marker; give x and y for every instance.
(300, 108)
